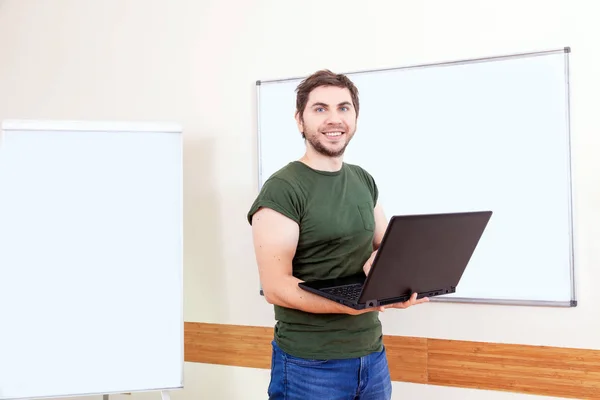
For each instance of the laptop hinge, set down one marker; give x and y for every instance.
(371, 303)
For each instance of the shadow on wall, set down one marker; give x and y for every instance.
(204, 277)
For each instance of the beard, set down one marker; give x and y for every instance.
(314, 138)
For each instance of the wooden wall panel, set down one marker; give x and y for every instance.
(407, 358)
(550, 371)
(236, 345)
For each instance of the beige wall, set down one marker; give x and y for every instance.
(196, 62)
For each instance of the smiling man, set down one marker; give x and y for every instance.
(319, 218)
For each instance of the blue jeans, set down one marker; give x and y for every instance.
(364, 378)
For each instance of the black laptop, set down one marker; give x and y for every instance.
(423, 253)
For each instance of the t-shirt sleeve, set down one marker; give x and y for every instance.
(371, 184)
(374, 189)
(280, 196)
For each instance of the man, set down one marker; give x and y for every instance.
(317, 218)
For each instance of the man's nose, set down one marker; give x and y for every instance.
(334, 118)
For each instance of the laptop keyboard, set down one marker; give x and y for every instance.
(350, 292)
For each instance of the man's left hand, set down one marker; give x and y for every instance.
(410, 302)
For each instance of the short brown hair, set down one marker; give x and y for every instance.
(323, 78)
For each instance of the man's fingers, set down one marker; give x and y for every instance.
(414, 299)
(410, 302)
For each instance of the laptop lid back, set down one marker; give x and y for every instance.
(421, 253)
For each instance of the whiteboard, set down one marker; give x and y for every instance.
(90, 258)
(485, 134)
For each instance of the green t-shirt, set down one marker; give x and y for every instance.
(336, 220)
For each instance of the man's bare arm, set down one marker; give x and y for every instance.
(275, 240)
(381, 224)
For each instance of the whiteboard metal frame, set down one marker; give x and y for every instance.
(566, 50)
(432, 64)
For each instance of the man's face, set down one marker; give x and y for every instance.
(329, 120)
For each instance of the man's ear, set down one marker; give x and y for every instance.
(299, 122)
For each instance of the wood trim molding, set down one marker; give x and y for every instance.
(541, 370)
(235, 345)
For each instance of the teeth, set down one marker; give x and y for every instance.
(333, 133)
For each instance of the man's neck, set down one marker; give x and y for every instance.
(321, 162)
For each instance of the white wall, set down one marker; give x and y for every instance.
(196, 62)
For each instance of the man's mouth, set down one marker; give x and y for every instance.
(333, 133)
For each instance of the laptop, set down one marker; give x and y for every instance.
(422, 253)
